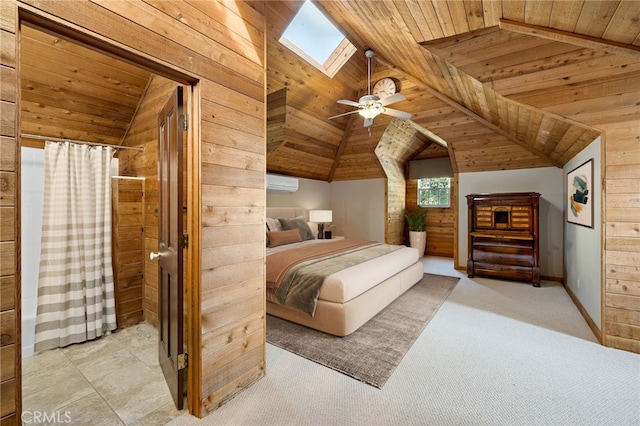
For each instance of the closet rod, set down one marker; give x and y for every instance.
(47, 138)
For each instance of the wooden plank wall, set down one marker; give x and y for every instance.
(394, 193)
(399, 141)
(222, 45)
(441, 222)
(621, 310)
(128, 249)
(143, 132)
(10, 351)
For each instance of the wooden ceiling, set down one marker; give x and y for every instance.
(492, 84)
(71, 92)
(507, 84)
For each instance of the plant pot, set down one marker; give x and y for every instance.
(418, 239)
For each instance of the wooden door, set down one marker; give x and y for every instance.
(171, 244)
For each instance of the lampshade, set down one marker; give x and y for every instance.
(320, 216)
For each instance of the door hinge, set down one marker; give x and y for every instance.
(184, 122)
(183, 361)
(185, 241)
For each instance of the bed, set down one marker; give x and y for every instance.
(349, 297)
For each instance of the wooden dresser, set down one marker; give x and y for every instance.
(503, 236)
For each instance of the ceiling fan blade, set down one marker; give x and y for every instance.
(350, 103)
(392, 99)
(368, 122)
(345, 113)
(396, 113)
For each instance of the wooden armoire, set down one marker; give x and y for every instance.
(503, 236)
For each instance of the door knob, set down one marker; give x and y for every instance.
(154, 256)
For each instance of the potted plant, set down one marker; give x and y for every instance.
(417, 221)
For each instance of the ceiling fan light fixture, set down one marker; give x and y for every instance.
(370, 105)
(370, 112)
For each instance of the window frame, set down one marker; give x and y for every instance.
(439, 193)
(336, 60)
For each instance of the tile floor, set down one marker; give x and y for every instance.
(115, 380)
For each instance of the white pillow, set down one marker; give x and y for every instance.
(273, 224)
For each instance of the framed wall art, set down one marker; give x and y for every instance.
(579, 195)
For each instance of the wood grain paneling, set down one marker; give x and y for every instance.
(7, 154)
(73, 92)
(7, 362)
(128, 249)
(10, 351)
(8, 292)
(459, 97)
(396, 146)
(463, 40)
(8, 401)
(440, 222)
(8, 327)
(225, 46)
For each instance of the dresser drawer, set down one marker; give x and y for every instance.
(520, 219)
(503, 271)
(504, 256)
(503, 251)
(486, 243)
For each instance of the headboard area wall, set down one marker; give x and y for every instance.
(287, 212)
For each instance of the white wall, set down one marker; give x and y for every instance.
(359, 208)
(583, 249)
(358, 205)
(311, 195)
(548, 181)
(32, 202)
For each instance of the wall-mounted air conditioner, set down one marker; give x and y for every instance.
(281, 183)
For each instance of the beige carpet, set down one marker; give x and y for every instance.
(371, 353)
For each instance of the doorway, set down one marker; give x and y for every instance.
(41, 114)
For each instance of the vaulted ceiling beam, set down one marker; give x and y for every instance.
(572, 38)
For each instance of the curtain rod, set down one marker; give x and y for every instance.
(47, 138)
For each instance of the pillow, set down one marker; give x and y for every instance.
(273, 224)
(280, 238)
(298, 222)
(267, 237)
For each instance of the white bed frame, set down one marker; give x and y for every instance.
(341, 319)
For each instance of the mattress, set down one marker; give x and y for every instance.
(342, 319)
(344, 285)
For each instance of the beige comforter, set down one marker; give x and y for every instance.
(294, 277)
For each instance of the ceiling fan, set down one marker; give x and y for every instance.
(371, 105)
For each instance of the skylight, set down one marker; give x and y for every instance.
(314, 38)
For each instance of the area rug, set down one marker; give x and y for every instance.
(371, 353)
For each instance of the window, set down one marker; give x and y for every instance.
(434, 192)
(314, 38)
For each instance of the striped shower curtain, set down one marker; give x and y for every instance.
(76, 299)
